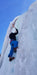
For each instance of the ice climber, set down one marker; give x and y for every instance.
(13, 43)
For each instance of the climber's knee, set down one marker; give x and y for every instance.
(15, 49)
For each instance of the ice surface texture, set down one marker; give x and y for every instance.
(26, 57)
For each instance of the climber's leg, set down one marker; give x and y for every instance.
(11, 51)
(15, 46)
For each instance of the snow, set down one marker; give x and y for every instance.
(26, 56)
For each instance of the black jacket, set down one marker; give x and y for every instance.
(13, 35)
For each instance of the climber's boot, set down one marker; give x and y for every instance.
(11, 58)
(15, 49)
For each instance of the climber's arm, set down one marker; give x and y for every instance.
(16, 32)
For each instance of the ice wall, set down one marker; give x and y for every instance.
(26, 57)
